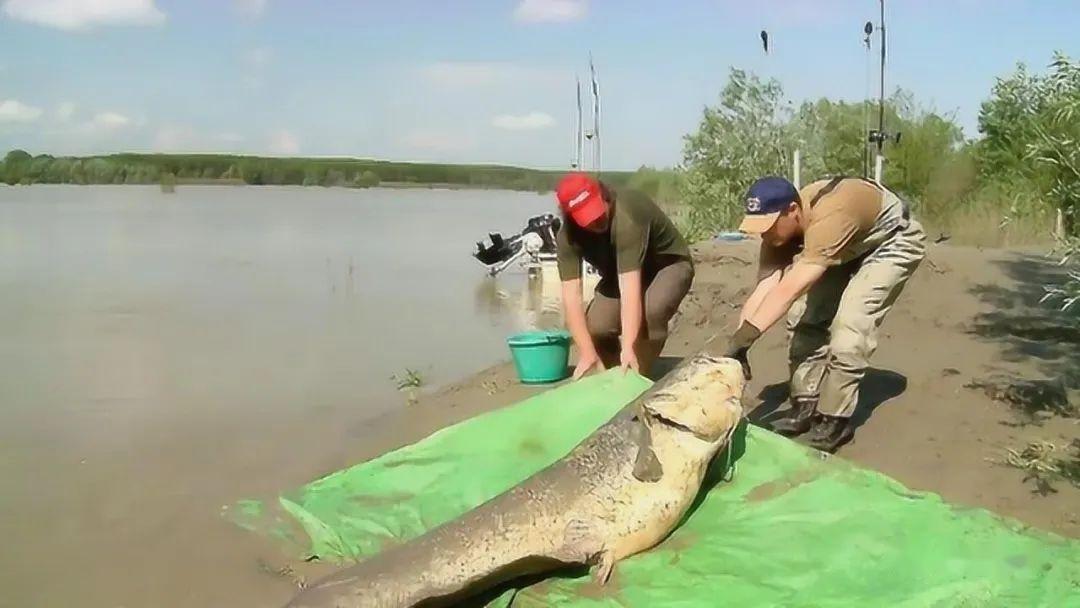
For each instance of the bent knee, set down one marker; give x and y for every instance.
(657, 330)
(849, 345)
(601, 326)
(658, 319)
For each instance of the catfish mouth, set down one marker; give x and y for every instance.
(701, 420)
(697, 398)
(675, 425)
(707, 358)
(671, 423)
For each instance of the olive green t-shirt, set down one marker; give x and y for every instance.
(836, 224)
(640, 237)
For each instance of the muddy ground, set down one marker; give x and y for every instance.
(969, 366)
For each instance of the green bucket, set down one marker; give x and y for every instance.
(540, 356)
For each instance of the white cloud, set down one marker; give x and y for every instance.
(523, 122)
(171, 138)
(550, 11)
(82, 14)
(109, 121)
(436, 141)
(65, 111)
(184, 138)
(283, 143)
(479, 73)
(13, 110)
(250, 8)
(463, 73)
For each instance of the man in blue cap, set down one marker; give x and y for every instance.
(834, 258)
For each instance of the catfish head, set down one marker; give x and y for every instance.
(702, 395)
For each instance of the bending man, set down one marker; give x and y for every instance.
(834, 257)
(645, 272)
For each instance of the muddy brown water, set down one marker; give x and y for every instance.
(165, 355)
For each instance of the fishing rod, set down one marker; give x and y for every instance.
(594, 135)
(576, 126)
(879, 136)
(868, 31)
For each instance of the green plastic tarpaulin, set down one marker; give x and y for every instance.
(781, 526)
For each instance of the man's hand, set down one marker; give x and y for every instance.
(739, 346)
(742, 355)
(628, 359)
(587, 362)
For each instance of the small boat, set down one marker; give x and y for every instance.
(535, 247)
(535, 243)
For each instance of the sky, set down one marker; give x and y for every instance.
(473, 81)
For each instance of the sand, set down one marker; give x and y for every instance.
(934, 411)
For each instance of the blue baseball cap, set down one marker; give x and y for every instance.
(765, 201)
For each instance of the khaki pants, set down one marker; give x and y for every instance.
(663, 294)
(833, 328)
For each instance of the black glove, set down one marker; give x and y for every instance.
(739, 346)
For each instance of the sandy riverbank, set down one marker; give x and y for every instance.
(969, 317)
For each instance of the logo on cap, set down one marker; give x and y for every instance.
(577, 200)
(770, 195)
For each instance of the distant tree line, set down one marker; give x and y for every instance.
(1020, 175)
(19, 167)
(1018, 181)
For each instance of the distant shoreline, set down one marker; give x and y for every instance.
(240, 183)
(169, 170)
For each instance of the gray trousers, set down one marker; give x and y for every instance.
(833, 328)
(663, 294)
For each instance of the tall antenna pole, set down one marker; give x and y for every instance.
(881, 95)
(578, 136)
(868, 31)
(573, 141)
(596, 116)
(878, 135)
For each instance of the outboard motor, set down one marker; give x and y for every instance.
(500, 249)
(547, 226)
(503, 250)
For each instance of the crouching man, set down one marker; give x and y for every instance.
(645, 272)
(834, 258)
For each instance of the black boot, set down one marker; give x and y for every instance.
(799, 418)
(830, 432)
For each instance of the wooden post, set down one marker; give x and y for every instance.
(795, 170)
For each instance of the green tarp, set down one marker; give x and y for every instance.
(782, 527)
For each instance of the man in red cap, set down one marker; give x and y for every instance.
(645, 272)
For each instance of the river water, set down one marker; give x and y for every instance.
(165, 354)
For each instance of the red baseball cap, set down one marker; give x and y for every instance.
(579, 197)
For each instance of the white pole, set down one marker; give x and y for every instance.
(879, 165)
(596, 116)
(797, 168)
(579, 135)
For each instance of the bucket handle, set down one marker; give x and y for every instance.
(550, 339)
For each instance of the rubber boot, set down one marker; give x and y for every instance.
(830, 432)
(799, 418)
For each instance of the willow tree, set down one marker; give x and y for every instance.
(739, 139)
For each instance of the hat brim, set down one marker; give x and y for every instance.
(757, 224)
(589, 210)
